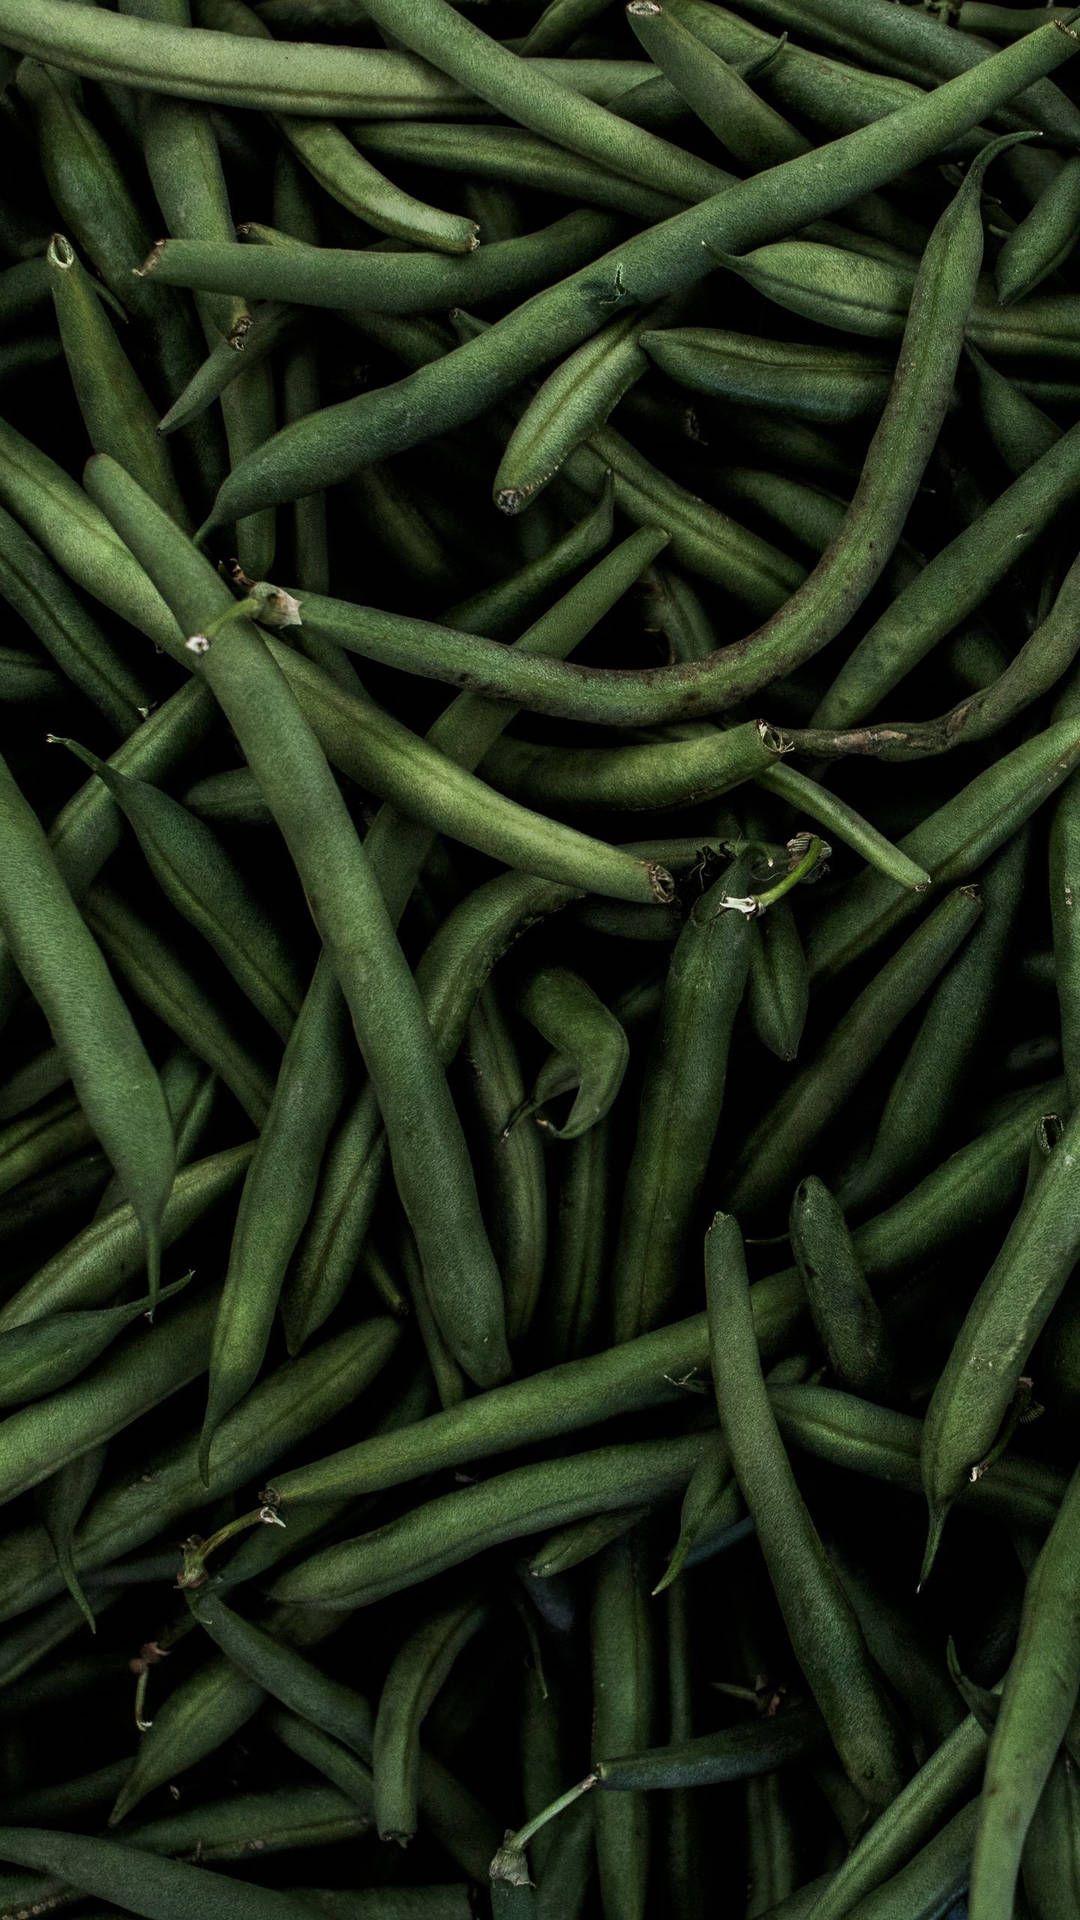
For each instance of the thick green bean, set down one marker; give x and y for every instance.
(624, 1685)
(591, 1049)
(514, 155)
(844, 1311)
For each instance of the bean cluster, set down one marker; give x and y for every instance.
(539, 1176)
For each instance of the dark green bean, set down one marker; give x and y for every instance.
(776, 1149)
(61, 1501)
(844, 1311)
(514, 155)
(623, 1687)
(450, 1530)
(417, 1673)
(278, 1192)
(62, 965)
(461, 384)
(1009, 1311)
(734, 1753)
(820, 1622)
(681, 1104)
(204, 883)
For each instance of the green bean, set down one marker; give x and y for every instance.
(572, 1305)
(44, 1354)
(514, 155)
(775, 1150)
(278, 1414)
(333, 161)
(1044, 239)
(327, 1755)
(251, 341)
(1049, 1862)
(917, 1678)
(197, 875)
(734, 1753)
(277, 1195)
(116, 410)
(623, 1688)
(40, 1140)
(930, 1883)
(681, 1104)
(1019, 428)
(581, 1540)
(38, 592)
(46, 1073)
(952, 584)
(844, 1311)
(143, 1883)
(874, 1440)
(559, 25)
(198, 65)
(913, 47)
(42, 1438)
(812, 382)
(675, 774)
(778, 985)
(24, 290)
(384, 282)
(426, 1146)
(97, 1263)
(77, 536)
(497, 610)
(930, 1081)
(62, 965)
(163, 981)
(513, 1178)
(822, 1627)
(416, 1675)
(370, 745)
(951, 843)
(26, 677)
(570, 405)
(448, 1531)
(32, 1807)
(590, 1047)
(99, 212)
(232, 796)
(461, 384)
(706, 1502)
(449, 979)
(754, 133)
(191, 1091)
(841, 821)
(245, 1823)
(463, 51)
(278, 1668)
(61, 1501)
(1007, 1315)
(935, 1790)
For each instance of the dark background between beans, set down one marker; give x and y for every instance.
(538, 850)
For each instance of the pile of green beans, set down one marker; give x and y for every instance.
(539, 1355)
